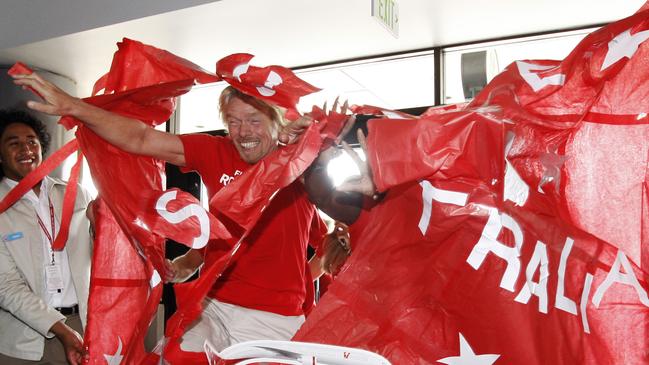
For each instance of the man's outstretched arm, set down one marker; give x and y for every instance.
(128, 134)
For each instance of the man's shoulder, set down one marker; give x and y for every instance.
(4, 188)
(199, 141)
(60, 184)
(203, 137)
(55, 180)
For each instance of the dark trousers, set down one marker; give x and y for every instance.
(53, 354)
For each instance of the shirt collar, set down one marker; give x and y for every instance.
(46, 185)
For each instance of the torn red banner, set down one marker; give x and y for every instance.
(121, 179)
(497, 251)
(136, 65)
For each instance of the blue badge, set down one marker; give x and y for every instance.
(13, 236)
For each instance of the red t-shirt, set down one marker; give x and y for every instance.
(270, 274)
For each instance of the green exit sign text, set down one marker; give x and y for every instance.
(387, 13)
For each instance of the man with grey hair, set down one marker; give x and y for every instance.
(261, 295)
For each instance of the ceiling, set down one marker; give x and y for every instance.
(76, 38)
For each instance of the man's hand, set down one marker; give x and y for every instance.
(291, 132)
(72, 342)
(363, 184)
(56, 101)
(337, 248)
(349, 123)
(171, 272)
(182, 267)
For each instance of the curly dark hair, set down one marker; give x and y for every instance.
(10, 116)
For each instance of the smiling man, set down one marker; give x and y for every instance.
(261, 295)
(43, 293)
(251, 124)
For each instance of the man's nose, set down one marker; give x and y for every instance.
(245, 129)
(24, 147)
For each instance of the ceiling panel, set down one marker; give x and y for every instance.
(294, 32)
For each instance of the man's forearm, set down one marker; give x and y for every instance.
(71, 341)
(186, 265)
(125, 133)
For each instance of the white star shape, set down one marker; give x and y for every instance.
(468, 357)
(623, 45)
(530, 73)
(115, 359)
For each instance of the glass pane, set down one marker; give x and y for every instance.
(465, 67)
(396, 83)
(199, 109)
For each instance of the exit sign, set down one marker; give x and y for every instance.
(387, 13)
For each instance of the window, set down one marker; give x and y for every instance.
(400, 82)
(467, 69)
(395, 83)
(198, 110)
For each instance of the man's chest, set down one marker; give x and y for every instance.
(228, 176)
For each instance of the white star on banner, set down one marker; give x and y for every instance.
(623, 45)
(115, 359)
(468, 357)
(530, 73)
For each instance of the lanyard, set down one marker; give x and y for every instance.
(47, 234)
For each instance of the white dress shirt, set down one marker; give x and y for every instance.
(67, 297)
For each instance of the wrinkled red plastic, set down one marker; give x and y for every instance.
(19, 68)
(581, 149)
(136, 65)
(120, 299)
(68, 205)
(142, 84)
(276, 84)
(378, 111)
(129, 186)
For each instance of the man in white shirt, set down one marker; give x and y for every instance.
(43, 293)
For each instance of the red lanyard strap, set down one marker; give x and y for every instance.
(40, 222)
(47, 234)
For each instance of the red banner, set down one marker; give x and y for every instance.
(488, 247)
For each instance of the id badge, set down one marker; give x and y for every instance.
(54, 278)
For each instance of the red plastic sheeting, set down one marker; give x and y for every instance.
(489, 244)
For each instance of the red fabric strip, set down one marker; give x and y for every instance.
(601, 118)
(68, 205)
(121, 283)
